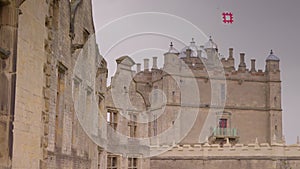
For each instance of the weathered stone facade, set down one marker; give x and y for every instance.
(252, 109)
(40, 43)
(253, 97)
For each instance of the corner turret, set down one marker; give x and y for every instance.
(274, 98)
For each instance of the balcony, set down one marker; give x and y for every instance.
(219, 135)
(224, 132)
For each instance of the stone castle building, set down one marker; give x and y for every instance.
(43, 100)
(245, 130)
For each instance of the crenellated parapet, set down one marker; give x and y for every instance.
(263, 150)
(199, 60)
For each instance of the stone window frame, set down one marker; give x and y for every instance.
(112, 161)
(59, 106)
(132, 125)
(132, 163)
(76, 93)
(112, 118)
(224, 115)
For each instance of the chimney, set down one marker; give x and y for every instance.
(199, 53)
(253, 65)
(188, 53)
(242, 65)
(154, 65)
(138, 67)
(230, 53)
(146, 64)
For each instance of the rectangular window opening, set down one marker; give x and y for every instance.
(132, 163)
(112, 162)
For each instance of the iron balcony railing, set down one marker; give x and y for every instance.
(224, 132)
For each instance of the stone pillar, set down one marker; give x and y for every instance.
(242, 65)
(253, 65)
(188, 53)
(199, 53)
(146, 64)
(154, 66)
(138, 67)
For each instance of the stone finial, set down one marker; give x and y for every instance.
(298, 140)
(230, 53)
(256, 141)
(154, 65)
(172, 49)
(146, 64)
(193, 40)
(206, 143)
(283, 140)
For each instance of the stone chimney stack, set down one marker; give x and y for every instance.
(154, 65)
(242, 65)
(253, 65)
(230, 53)
(146, 64)
(188, 53)
(138, 67)
(199, 53)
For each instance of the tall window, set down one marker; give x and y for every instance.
(132, 126)
(76, 88)
(112, 118)
(112, 162)
(132, 163)
(60, 88)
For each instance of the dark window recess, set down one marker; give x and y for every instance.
(223, 123)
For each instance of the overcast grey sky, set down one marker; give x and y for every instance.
(259, 25)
